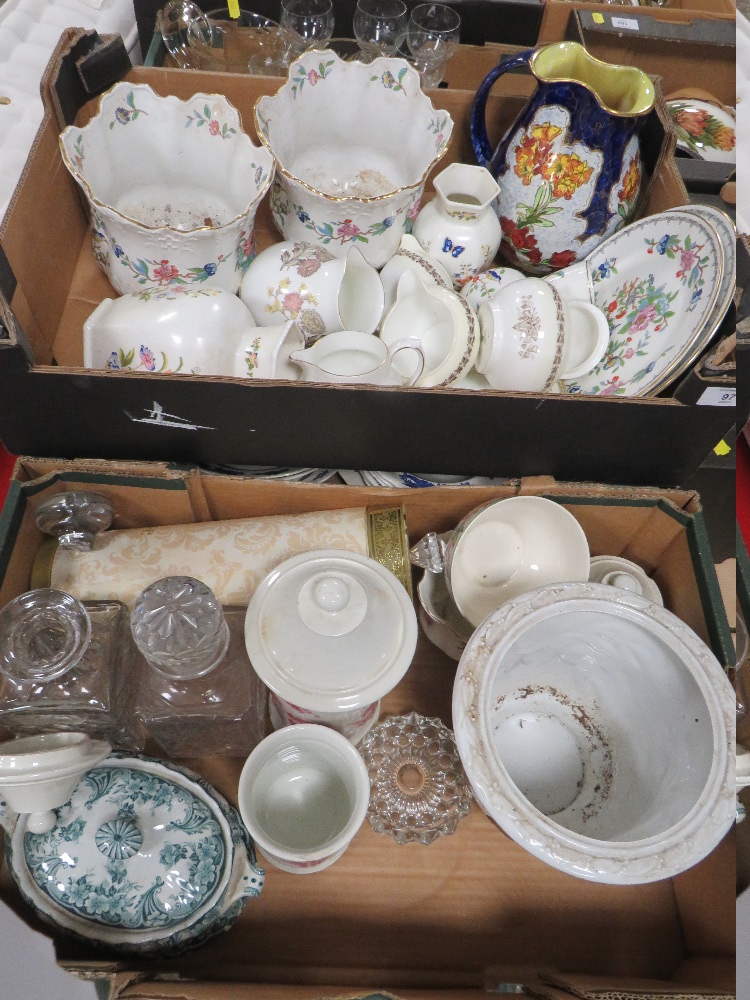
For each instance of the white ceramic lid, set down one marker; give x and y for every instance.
(512, 546)
(330, 631)
(617, 571)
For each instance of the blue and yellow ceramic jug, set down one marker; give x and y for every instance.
(569, 168)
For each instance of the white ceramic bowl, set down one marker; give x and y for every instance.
(303, 794)
(173, 188)
(353, 144)
(597, 730)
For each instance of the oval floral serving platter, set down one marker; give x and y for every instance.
(656, 282)
(704, 129)
(144, 857)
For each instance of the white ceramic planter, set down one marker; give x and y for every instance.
(353, 144)
(173, 188)
(597, 730)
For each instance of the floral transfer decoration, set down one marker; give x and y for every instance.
(528, 325)
(698, 128)
(692, 261)
(303, 75)
(209, 118)
(391, 82)
(298, 304)
(90, 863)
(558, 176)
(251, 357)
(628, 193)
(123, 360)
(123, 116)
(437, 127)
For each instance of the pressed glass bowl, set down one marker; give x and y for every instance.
(418, 789)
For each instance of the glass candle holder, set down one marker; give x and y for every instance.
(196, 692)
(418, 789)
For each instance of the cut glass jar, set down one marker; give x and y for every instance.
(196, 691)
(65, 665)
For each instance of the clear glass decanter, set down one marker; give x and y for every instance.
(196, 691)
(65, 665)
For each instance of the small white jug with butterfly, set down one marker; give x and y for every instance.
(460, 227)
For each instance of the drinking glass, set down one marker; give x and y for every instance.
(307, 24)
(379, 26)
(432, 35)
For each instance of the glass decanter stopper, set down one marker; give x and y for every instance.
(418, 788)
(65, 664)
(75, 518)
(196, 691)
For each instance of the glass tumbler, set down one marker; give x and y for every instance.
(380, 26)
(433, 35)
(306, 24)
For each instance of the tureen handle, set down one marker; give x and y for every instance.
(429, 553)
(8, 818)
(248, 877)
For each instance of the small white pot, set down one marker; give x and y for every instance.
(306, 283)
(531, 337)
(303, 794)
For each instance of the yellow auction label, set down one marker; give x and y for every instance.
(234, 8)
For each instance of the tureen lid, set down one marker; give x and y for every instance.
(139, 857)
(331, 630)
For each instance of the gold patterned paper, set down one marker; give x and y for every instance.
(230, 557)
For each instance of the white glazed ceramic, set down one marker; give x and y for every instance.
(727, 234)
(306, 283)
(531, 337)
(353, 144)
(459, 226)
(597, 730)
(330, 633)
(144, 858)
(502, 549)
(352, 357)
(39, 773)
(198, 332)
(705, 130)
(411, 256)
(483, 286)
(444, 324)
(173, 188)
(303, 794)
(441, 621)
(615, 571)
(656, 281)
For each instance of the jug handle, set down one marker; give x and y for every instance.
(480, 140)
(408, 344)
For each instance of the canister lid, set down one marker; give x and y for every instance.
(330, 631)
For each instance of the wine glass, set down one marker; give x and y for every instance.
(432, 35)
(307, 24)
(379, 26)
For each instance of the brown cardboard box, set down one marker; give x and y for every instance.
(472, 910)
(49, 403)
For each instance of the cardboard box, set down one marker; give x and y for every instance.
(50, 404)
(473, 910)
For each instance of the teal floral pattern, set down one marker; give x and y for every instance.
(391, 82)
(204, 116)
(115, 884)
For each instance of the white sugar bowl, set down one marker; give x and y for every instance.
(330, 633)
(531, 337)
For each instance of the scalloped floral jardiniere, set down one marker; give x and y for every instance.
(353, 145)
(173, 188)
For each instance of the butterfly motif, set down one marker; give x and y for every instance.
(454, 251)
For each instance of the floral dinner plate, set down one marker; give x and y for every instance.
(657, 282)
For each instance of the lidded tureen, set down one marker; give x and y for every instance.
(144, 857)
